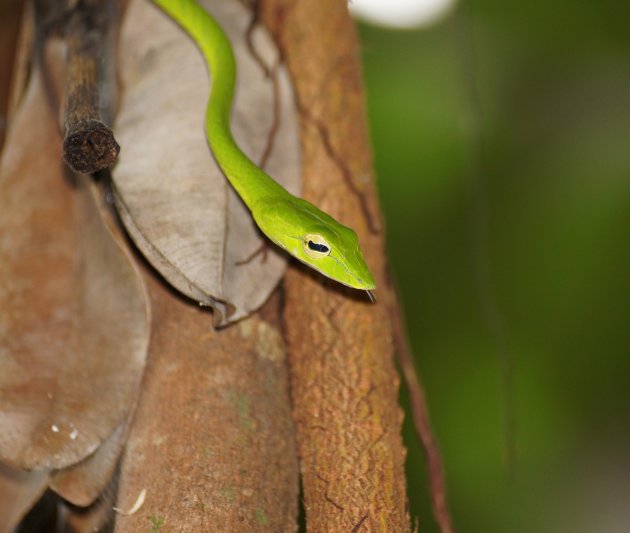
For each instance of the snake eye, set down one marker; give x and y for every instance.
(315, 246)
(322, 248)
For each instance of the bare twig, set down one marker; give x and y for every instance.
(89, 145)
(420, 416)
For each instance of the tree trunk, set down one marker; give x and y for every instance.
(343, 381)
(212, 441)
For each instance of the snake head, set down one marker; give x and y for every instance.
(315, 238)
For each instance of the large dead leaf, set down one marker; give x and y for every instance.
(73, 311)
(173, 199)
(19, 491)
(82, 483)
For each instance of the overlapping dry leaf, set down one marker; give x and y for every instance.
(74, 323)
(82, 483)
(19, 490)
(173, 199)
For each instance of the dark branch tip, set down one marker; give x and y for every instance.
(90, 147)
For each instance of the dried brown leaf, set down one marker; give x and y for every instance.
(19, 491)
(81, 484)
(173, 199)
(96, 518)
(73, 312)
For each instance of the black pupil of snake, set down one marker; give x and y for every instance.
(317, 247)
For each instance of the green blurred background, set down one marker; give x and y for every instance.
(502, 147)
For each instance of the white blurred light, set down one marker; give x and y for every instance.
(400, 13)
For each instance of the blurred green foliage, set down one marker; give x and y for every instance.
(502, 148)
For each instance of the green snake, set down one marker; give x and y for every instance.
(295, 225)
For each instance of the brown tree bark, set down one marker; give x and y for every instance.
(343, 380)
(212, 441)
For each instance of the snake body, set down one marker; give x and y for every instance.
(297, 226)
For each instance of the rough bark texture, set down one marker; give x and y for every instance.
(344, 383)
(212, 442)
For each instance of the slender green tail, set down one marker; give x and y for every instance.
(250, 182)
